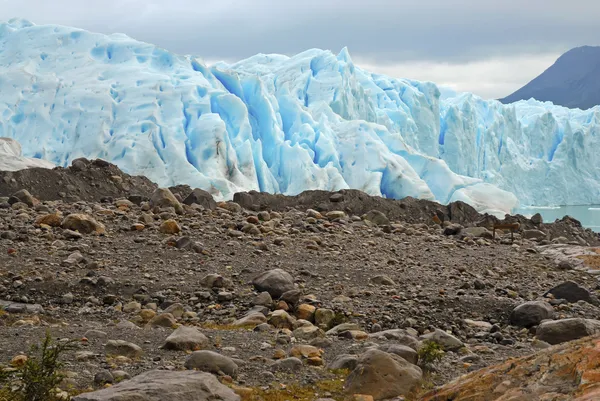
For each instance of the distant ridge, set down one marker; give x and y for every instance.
(572, 81)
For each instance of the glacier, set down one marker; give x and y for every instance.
(12, 159)
(284, 124)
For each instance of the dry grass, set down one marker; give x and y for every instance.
(333, 387)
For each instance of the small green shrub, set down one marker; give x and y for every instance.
(430, 353)
(38, 378)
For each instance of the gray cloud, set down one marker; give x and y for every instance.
(385, 32)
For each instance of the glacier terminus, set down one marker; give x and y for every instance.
(284, 124)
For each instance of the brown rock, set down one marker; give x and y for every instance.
(306, 312)
(170, 227)
(51, 220)
(83, 224)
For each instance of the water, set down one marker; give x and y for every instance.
(588, 215)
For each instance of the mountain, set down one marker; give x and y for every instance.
(280, 124)
(572, 81)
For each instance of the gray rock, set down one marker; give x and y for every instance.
(344, 361)
(477, 232)
(186, 339)
(383, 376)
(341, 328)
(287, 365)
(400, 336)
(163, 385)
(453, 229)
(560, 331)
(103, 377)
(263, 299)
(382, 280)
(536, 235)
(403, 351)
(572, 292)
(25, 197)
(448, 341)
(531, 313)
(209, 361)
(537, 219)
(202, 198)
(378, 218)
(123, 348)
(276, 282)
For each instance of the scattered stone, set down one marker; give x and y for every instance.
(287, 365)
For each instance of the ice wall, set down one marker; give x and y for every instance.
(279, 124)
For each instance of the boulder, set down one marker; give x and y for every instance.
(163, 385)
(564, 372)
(560, 331)
(572, 292)
(276, 282)
(212, 362)
(400, 336)
(123, 348)
(83, 224)
(448, 341)
(186, 339)
(409, 354)
(383, 376)
(378, 218)
(535, 235)
(531, 313)
(163, 198)
(202, 198)
(25, 197)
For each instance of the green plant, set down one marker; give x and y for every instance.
(430, 353)
(39, 376)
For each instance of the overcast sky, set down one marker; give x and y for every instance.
(488, 47)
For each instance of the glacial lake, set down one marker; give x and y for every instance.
(588, 215)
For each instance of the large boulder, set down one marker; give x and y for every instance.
(186, 339)
(23, 196)
(566, 372)
(275, 282)
(82, 223)
(531, 314)
(163, 198)
(572, 292)
(163, 385)
(202, 198)
(560, 331)
(212, 362)
(383, 376)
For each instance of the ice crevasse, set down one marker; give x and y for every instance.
(285, 124)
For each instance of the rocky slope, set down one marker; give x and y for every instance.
(323, 295)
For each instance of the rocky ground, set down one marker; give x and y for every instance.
(270, 292)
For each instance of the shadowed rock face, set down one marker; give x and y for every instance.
(567, 372)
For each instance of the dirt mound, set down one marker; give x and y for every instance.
(83, 180)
